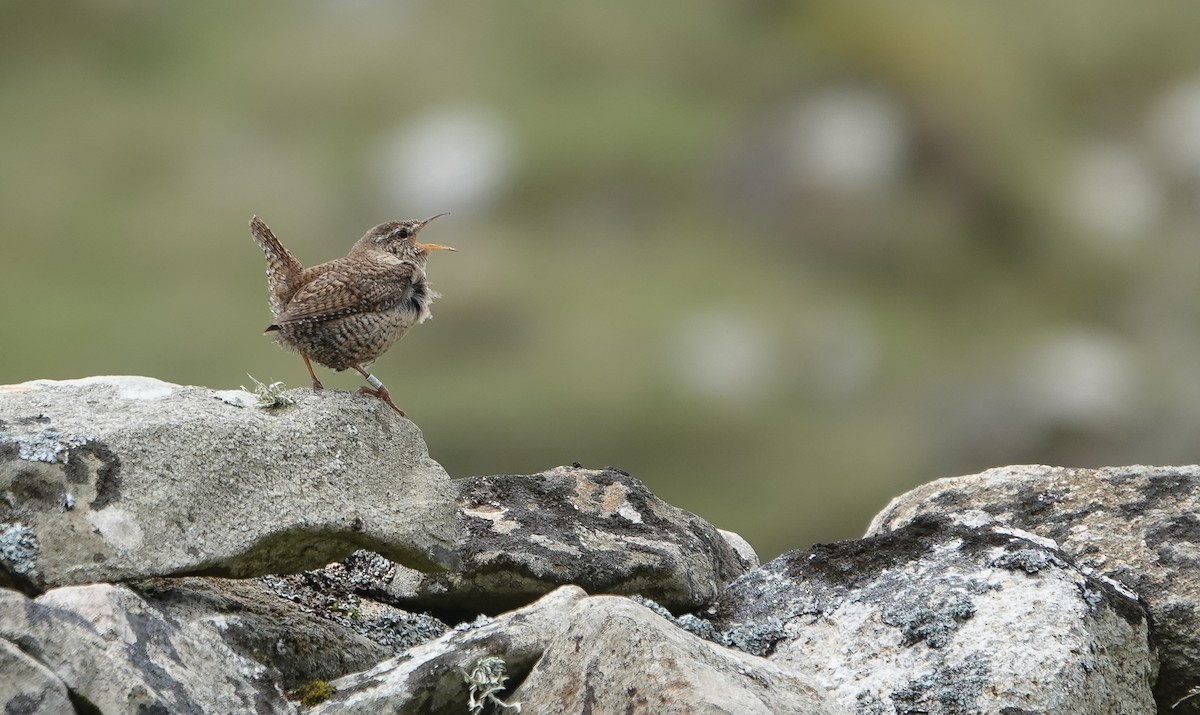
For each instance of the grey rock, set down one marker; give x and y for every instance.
(19, 551)
(129, 477)
(29, 688)
(944, 617)
(1137, 525)
(118, 655)
(303, 634)
(619, 657)
(571, 653)
(688, 621)
(742, 547)
(430, 678)
(343, 592)
(599, 529)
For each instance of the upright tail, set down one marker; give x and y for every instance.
(283, 270)
(277, 255)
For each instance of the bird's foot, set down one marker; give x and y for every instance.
(311, 373)
(382, 393)
(377, 389)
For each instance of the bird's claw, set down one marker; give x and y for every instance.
(382, 394)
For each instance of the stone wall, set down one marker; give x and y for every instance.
(168, 549)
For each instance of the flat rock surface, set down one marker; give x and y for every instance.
(1138, 525)
(114, 478)
(602, 530)
(945, 618)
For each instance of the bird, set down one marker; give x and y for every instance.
(347, 312)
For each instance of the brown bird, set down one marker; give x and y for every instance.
(347, 312)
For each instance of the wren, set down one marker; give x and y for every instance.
(347, 312)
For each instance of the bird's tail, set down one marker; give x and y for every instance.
(282, 267)
(276, 253)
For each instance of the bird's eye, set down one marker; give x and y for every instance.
(402, 233)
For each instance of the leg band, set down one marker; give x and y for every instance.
(374, 381)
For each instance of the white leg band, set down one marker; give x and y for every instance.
(374, 381)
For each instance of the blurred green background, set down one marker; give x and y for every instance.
(780, 260)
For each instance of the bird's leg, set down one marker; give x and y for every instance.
(377, 389)
(316, 383)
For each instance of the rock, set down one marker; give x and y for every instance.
(571, 653)
(132, 479)
(618, 657)
(117, 655)
(113, 478)
(28, 687)
(689, 622)
(430, 677)
(19, 558)
(943, 617)
(599, 529)
(1137, 525)
(302, 636)
(742, 547)
(341, 592)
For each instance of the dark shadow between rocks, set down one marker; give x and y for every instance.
(317, 548)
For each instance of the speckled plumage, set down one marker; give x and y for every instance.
(347, 312)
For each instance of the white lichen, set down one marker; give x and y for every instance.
(486, 679)
(269, 395)
(49, 445)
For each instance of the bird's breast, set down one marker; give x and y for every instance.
(415, 302)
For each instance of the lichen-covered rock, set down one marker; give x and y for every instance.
(117, 655)
(114, 478)
(305, 632)
(431, 677)
(1137, 525)
(343, 592)
(945, 618)
(599, 529)
(573, 654)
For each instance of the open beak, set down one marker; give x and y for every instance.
(434, 246)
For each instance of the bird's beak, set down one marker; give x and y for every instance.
(434, 246)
